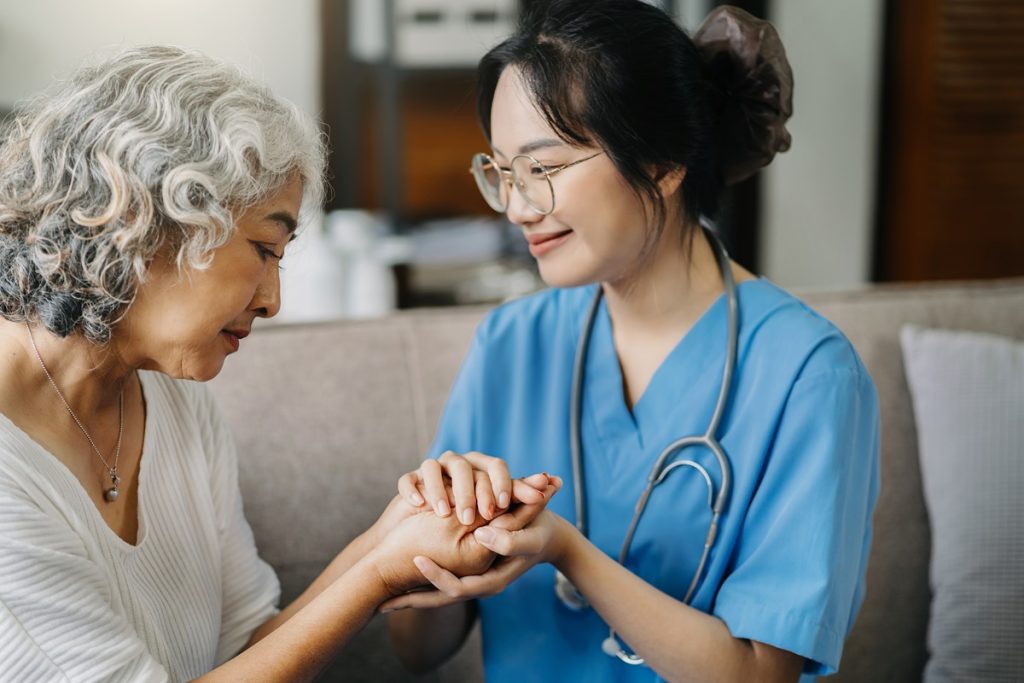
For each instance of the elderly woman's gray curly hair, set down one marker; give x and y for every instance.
(153, 149)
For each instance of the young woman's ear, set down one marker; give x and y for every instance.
(669, 181)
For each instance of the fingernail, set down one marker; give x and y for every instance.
(420, 562)
(467, 516)
(386, 610)
(417, 499)
(484, 535)
(503, 499)
(442, 508)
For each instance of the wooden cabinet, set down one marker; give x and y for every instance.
(951, 181)
(438, 134)
(402, 133)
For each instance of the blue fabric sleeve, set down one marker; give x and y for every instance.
(796, 579)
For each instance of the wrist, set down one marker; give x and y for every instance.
(359, 590)
(382, 581)
(394, 572)
(564, 542)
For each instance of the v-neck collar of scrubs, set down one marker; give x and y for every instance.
(693, 365)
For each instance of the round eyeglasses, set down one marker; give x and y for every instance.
(530, 177)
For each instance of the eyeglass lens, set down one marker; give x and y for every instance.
(527, 175)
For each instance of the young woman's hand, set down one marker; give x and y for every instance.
(523, 537)
(477, 482)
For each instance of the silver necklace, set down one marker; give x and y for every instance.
(111, 494)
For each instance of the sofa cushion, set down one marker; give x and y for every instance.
(968, 400)
(326, 417)
(888, 639)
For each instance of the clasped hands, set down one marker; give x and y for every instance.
(461, 528)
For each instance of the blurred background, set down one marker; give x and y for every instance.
(908, 136)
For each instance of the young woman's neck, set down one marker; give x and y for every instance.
(669, 289)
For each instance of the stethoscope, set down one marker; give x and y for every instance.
(665, 463)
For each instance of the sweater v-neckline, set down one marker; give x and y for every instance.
(74, 487)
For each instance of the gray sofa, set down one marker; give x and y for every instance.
(326, 418)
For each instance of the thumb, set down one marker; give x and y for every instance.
(521, 515)
(509, 543)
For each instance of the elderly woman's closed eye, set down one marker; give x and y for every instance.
(145, 206)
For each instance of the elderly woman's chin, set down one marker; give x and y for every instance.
(208, 365)
(199, 363)
(193, 343)
(187, 334)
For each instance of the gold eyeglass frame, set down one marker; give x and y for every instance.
(510, 178)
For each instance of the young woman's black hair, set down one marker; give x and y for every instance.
(622, 76)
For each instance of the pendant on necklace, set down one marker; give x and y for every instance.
(111, 494)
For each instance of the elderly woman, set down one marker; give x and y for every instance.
(144, 207)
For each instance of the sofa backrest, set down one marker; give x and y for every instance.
(888, 640)
(326, 417)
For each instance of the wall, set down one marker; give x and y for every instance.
(277, 42)
(818, 211)
(818, 198)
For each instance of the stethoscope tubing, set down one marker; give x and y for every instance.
(717, 501)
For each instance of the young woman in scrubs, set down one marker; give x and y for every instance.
(609, 140)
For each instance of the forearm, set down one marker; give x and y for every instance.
(677, 641)
(425, 638)
(358, 548)
(300, 647)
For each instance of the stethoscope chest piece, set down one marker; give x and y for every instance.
(568, 594)
(610, 646)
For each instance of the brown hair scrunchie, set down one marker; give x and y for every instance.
(748, 62)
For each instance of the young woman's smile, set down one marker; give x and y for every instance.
(543, 243)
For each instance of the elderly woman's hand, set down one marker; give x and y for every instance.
(425, 539)
(471, 482)
(425, 534)
(525, 535)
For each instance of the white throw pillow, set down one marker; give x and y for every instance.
(968, 395)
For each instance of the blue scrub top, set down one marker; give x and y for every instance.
(801, 432)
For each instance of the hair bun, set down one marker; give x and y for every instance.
(748, 62)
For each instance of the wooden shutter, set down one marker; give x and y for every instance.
(952, 176)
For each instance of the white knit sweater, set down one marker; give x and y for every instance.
(77, 603)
